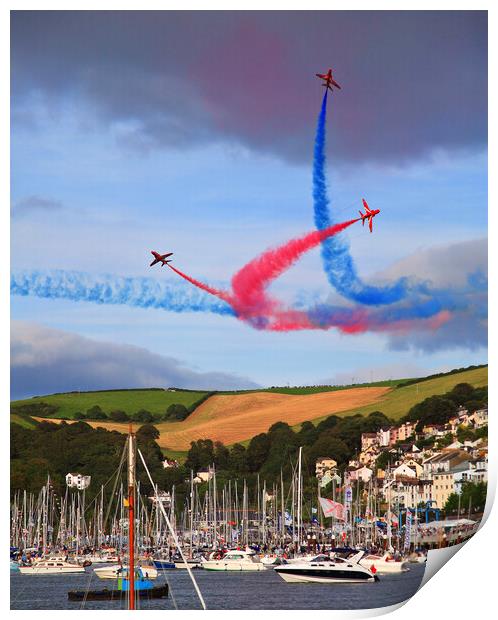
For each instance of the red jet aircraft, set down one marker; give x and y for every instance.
(328, 79)
(160, 258)
(368, 215)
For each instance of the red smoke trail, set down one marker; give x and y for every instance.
(204, 287)
(250, 282)
(252, 304)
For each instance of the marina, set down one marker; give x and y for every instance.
(224, 590)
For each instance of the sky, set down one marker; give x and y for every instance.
(193, 132)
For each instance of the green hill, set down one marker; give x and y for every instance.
(129, 401)
(396, 403)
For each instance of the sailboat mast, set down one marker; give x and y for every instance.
(131, 517)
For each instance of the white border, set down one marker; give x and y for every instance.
(465, 588)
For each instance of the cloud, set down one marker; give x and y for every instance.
(460, 271)
(35, 204)
(413, 81)
(443, 265)
(46, 360)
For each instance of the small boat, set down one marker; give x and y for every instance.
(235, 560)
(163, 564)
(190, 563)
(144, 589)
(384, 563)
(14, 566)
(327, 569)
(270, 561)
(113, 572)
(51, 565)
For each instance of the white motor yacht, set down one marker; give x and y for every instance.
(385, 563)
(102, 558)
(51, 565)
(235, 560)
(327, 569)
(112, 572)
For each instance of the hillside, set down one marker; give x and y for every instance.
(238, 416)
(396, 403)
(232, 418)
(129, 401)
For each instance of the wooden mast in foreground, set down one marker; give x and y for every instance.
(131, 517)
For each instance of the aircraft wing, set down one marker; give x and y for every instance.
(370, 223)
(335, 84)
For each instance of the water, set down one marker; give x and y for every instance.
(258, 590)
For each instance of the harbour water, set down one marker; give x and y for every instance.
(231, 590)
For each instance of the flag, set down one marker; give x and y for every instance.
(348, 495)
(331, 508)
(408, 529)
(288, 518)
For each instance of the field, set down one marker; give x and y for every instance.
(129, 401)
(315, 389)
(238, 416)
(396, 403)
(231, 418)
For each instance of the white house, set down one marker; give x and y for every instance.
(405, 470)
(78, 481)
(363, 473)
(167, 463)
(203, 475)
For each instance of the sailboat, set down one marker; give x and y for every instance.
(131, 580)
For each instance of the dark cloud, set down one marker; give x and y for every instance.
(412, 81)
(46, 360)
(35, 204)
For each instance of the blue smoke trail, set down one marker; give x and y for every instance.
(469, 299)
(110, 289)
(337, 261)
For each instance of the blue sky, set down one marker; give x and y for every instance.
(98, 181)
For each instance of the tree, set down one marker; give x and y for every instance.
(444, 442)
(96, 413)
(432, 410)
(200, 455)
(176, 412)
(143, 416)
(238, 458)
(257, 452)
(473, 497)
(79, 415)
(307, 434)
(221, 456)
(147, 432)
(118, 416)
(464, 433)
(482, 432)
(329, 422)
(461, 393)
(328, 445)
